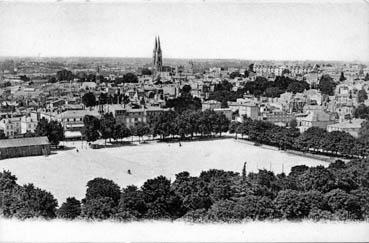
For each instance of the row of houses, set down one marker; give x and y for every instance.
(310, 116)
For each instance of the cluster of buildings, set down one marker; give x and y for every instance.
(26, 95)
(309, 108)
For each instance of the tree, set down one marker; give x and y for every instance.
(362, 96)
(273, 92)
(107, 124)
(102, 188)
(52, 80)
(89, 99)
(162, 124)
(70, 209)
(292, 204)
(344, 205)
(141, 129)
(98, 208)
(225, 210)
(186, 89)
(91, 128)
(251, 67)
(255, 207)
(146, 71)
(53, 130)
(285, 71)
(220, 124)
(160, 200)
(2, 134)
(293, 123)
(35, 202)
(297, 87)
(326, 85)
(64, 75)
(121, 132)
(311, 139)
(364, 130)
(362, 111)
(362, 195)
(316, 178)
(184, 102)
(234, 74)
(193, 192)
(103, 99)
(132, 204)
(342, 77)
(55, 133)
(130, 78)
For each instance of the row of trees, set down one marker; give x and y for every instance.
(67, 75)
(224, 92)
(89, 99)
(313, 139)
(188, 123)
(281, 84)
(165, 124)
(262, 87)
(339, 192)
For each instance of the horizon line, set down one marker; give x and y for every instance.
(195, 58)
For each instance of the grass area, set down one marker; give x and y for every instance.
(65, 173)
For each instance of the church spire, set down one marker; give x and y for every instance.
(157, 55)
(159, 47)
(155, 51)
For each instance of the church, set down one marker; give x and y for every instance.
(159, 71)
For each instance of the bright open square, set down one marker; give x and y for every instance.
(66, 173)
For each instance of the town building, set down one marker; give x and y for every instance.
(210, 105)
(314, 118)
(20, 147)
(11, 126)
(350, 126)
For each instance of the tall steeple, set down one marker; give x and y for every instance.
(159, 57)
(159, 47)
(155, 51)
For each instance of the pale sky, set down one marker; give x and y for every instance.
(217, 29)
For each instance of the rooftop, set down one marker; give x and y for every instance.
(22, 142)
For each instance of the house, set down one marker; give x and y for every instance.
(211, 105)
(129, 116)
(314, 118)
(11, 126)
(248, 109)
(277, 116)
(20, 147)
(28, 124)
(72, 120)
(351, 126)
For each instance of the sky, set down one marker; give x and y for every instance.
(272, 30)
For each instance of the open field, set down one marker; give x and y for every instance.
(67, 172)
(77, 231)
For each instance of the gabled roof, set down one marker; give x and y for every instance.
(22, 142)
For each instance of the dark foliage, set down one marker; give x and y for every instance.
(70, 209)
(52, 129)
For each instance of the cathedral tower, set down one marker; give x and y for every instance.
(155, 50)
(157, 56)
